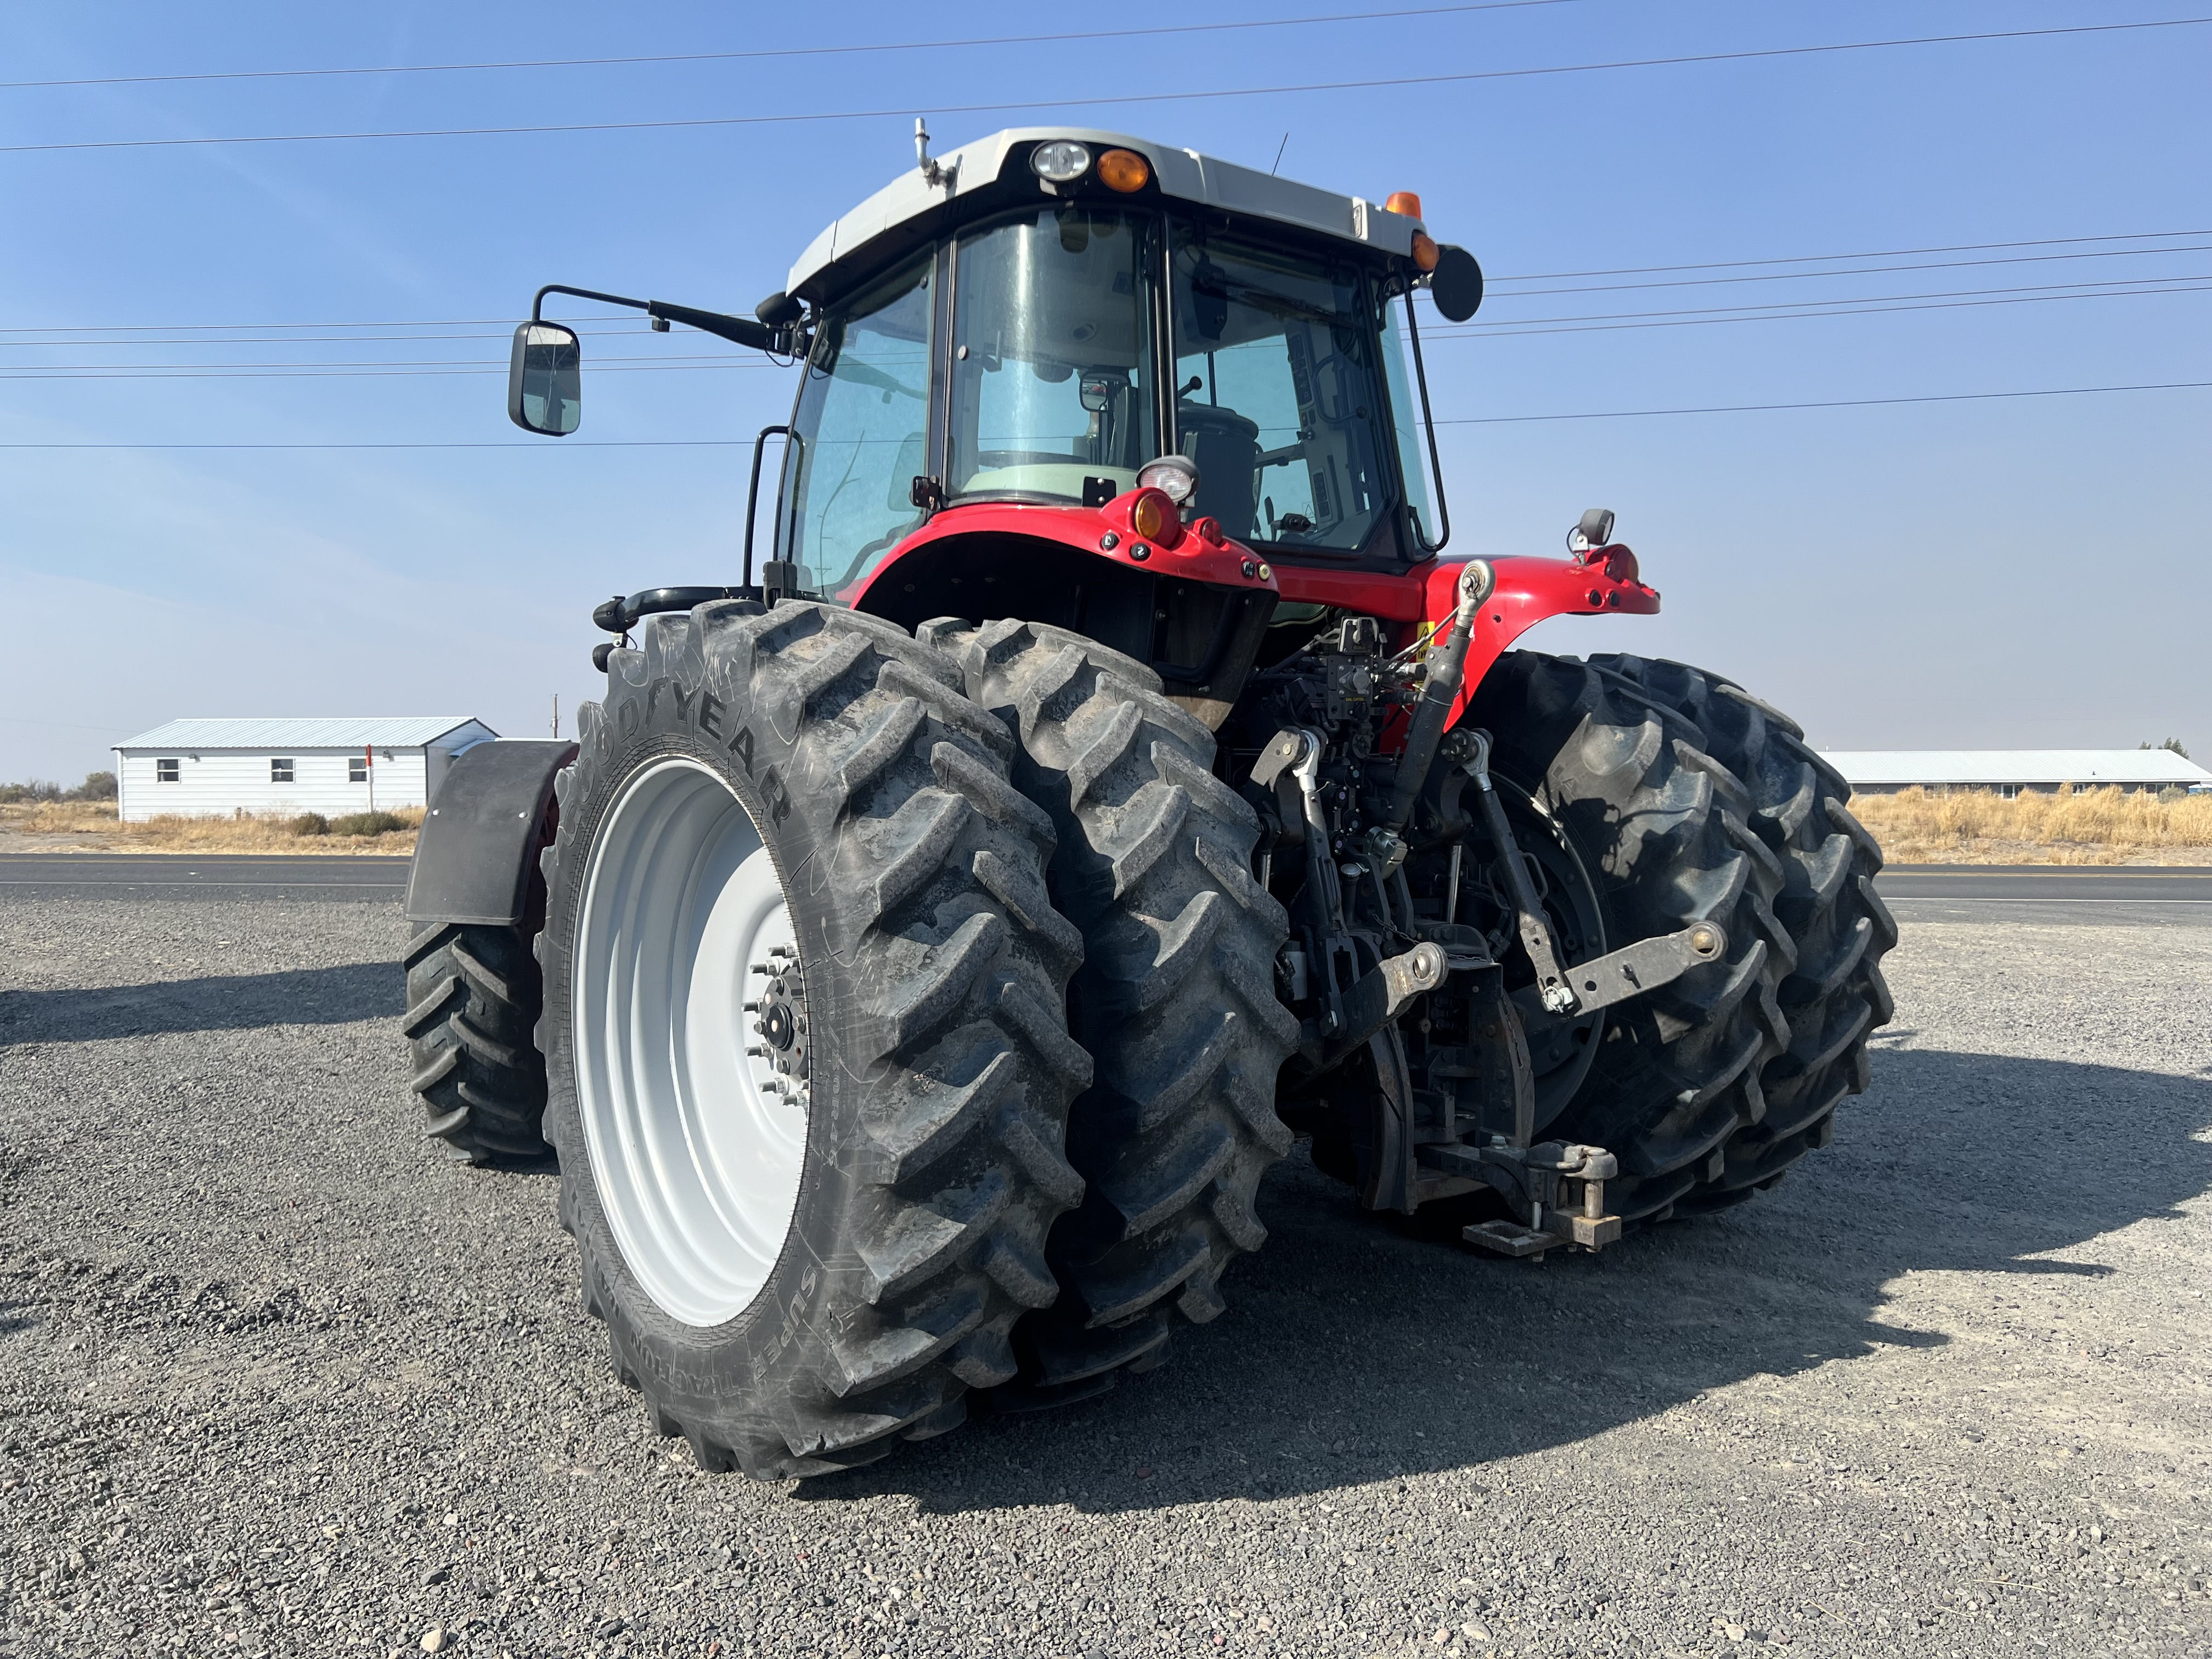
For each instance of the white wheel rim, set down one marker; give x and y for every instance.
(696, 1153)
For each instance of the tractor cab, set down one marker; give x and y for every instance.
(1004, 351)
(1032, 319)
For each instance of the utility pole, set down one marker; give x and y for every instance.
(556, 715)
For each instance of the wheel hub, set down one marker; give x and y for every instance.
(780, 1020)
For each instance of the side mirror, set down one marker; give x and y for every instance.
(546, 379)
(1457, 285)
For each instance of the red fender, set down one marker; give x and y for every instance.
(1528, 590)
(1197, 551)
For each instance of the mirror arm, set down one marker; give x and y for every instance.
(537, 300)
(738, 331)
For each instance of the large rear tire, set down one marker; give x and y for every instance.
(1709, 1088)
(1175, 999)
(1838, 928)
(804, 1024)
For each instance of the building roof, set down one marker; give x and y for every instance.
(2087, 767)
(1182, 173)
(333, 731)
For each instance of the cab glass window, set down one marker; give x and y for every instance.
(1052, 369)
(859, 436)
(1276, 400)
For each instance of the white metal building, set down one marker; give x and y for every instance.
(2009, 771)
(213, 769)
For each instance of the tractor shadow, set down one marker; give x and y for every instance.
(223, 1002)
(1354, 1350)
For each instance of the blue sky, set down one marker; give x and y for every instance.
(1999, 573)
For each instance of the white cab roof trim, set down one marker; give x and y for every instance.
(1183, 174)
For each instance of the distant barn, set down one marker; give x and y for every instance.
(2011, 772)
(216, 768)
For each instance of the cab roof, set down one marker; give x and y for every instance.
(911, 208)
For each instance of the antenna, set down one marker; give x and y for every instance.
(1280, 148)
(934, 171)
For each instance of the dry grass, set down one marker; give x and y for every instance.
(91, 826)
(2087, 826)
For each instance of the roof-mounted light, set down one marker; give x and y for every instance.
(1124, 170)
(1426, 251)
(1061, 162)
(1404, 202)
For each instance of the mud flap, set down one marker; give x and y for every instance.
(481, 838)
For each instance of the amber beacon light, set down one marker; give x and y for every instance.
(1405, 202)
(1124, 170)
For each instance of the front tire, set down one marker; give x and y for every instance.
(791, 834)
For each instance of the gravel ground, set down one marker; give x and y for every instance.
(274, 1379)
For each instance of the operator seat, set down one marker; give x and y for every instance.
(1224, 446)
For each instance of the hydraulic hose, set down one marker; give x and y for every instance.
(1446, 669)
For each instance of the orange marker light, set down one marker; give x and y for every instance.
(1124, 170)
(1148, 516)
(1405, 202)
(1425, 252)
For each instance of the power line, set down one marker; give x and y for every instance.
(1856, 306)
(1863, 271)
(1839, 403)
(1472, 420)
(1876, 253)
(1115, 99)
(1492, 279)
(1087, 35)
(717, 360)
(1796, 311)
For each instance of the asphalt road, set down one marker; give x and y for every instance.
(2046, 883)
(174, 876)
(276, 1380)
(227, 876)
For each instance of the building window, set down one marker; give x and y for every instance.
(2008, 792)
(165, 771)
(357, 768)
(279, 771)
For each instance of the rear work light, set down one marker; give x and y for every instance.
(1124, 170)
(1061, 162)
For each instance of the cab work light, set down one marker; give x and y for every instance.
(1061, 162)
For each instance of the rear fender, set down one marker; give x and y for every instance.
(1602, 580)
(1605, 579)
(477, 858)
(1194, 604)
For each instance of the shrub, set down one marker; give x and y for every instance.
(311, 823)
(97, 786)
(17, 794)
(367, 823)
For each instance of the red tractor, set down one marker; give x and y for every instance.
(931, 939)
